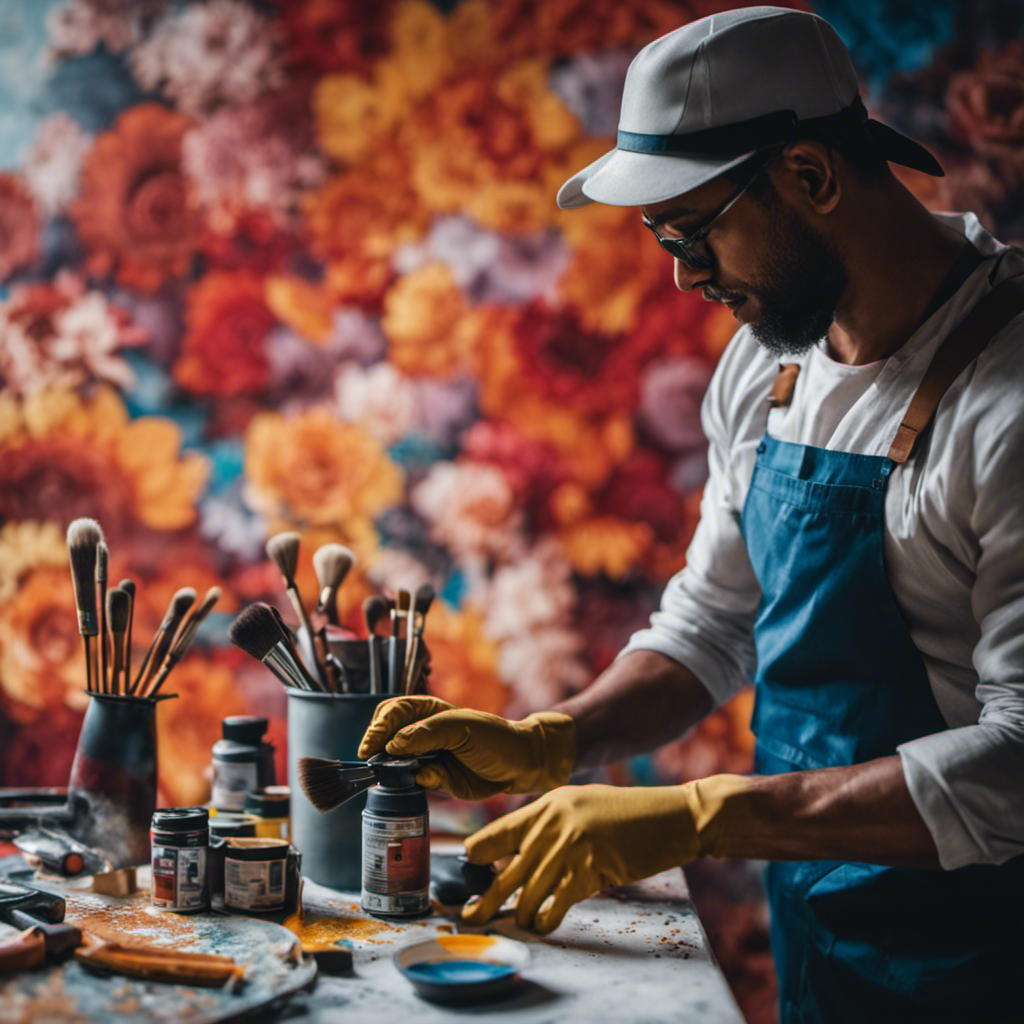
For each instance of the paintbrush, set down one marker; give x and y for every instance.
(328, 784)
(84, 535)
(102, 557)
(422, 600)
(375, 609)
(183, 641)
(128, 586)
(283, 548)
(118, 609)
(332, 563)
(289, 639)
(258, 632)
(397, 640)
(180, 603)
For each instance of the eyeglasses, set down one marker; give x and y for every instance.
(693, 250)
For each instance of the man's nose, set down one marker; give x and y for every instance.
(687, 278)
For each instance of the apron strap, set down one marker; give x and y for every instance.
(988, 317)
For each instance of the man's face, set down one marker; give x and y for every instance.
(771, 268)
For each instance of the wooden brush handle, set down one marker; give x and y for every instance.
(203, 969)
(27, 950)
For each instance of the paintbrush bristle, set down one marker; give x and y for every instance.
(128, 586)
(83, 537)
(119, 605)
(323, 782)
(423, 599)
(211, 597)
(180, 603)
(374, 609)
(102, 559)
(283, 548)
(256, 630)
(331, 563)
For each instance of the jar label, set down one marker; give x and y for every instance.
(396, 865)
(179, 877)
(254, 884)
(231, 781)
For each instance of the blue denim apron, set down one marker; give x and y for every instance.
(839, 682)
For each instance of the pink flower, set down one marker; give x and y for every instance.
(534, 592)
(59, 335)
(541, 668)
(671, 393)
(221, 52)
(19, 226)
(471, 510)
(78, 26)
(251, 158)
(54, 163)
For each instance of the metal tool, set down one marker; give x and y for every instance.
(41, 915)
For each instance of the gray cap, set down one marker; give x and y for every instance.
(707, 96)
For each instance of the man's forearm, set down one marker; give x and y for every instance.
(643, 700)
(861, 813)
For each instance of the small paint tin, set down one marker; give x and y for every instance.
(228, 824)
(242, 761)
(396, 843)
(463, 968)
(255, 874)
(271, 807)
(180, 840)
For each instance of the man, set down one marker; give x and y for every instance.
(860, 555)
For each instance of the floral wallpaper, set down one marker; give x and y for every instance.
(297, 264)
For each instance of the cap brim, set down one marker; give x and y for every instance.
(901, 150)
(623, 178)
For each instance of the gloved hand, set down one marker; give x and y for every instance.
(578, 840)
(481, 754)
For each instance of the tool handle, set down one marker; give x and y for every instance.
(27, 950)
(202, 969)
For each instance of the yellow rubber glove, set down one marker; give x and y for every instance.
(578, 840)
(482, 754)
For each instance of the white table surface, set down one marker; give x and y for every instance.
(636, 955)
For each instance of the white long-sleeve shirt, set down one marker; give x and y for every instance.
(954, 547)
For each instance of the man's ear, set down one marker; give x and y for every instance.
(809, 176)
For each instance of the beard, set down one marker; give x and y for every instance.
(799, 288)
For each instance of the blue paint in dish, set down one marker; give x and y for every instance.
(459, 972)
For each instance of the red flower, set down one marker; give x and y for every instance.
(19, 226)
(134, 216)
(223, 350)
(637, 492)
(335, 35)
(532, 468)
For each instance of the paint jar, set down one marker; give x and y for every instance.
(227, 824)
(180, 840)
(242, 761)
(396, 843)
(271, 806)
(255, 874)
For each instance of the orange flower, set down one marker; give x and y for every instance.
(315, 470)
(42, 662)
(304, 307)
(484, 129)
(19, 226)
(223, 349)
(186, 728)
(64, 456)
(422, 314)
(420, 57)
(616, 264)
(463, 660)
(134, 216)
(358, 219)
(355, 117)
(606, 544)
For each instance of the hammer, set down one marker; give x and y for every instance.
(41, 914)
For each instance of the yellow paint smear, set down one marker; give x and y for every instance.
(317, 935)
(470, 945)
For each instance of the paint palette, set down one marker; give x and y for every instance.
(463, 968)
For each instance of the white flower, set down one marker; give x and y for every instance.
(221, 52)
(671, 393)
(380, 399)
(54, 163)
(541, 668)
(471, 510)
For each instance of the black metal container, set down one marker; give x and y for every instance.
(328, 725)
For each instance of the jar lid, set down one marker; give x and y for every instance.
(269, 802)
(257, 849)
(227, 824)
(244, 728)
(181, 819)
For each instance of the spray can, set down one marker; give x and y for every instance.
(396, 842)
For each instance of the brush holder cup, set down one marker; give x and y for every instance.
(112, 789)
(328, 725)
